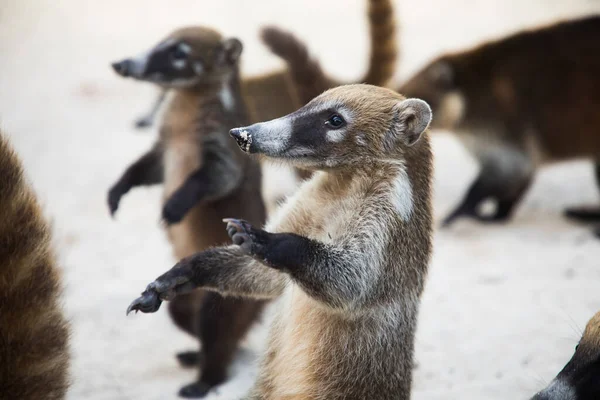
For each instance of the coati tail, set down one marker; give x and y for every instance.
(307, 75)
(34, 334)
(384, 50)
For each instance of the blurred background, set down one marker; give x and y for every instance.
(504, 305)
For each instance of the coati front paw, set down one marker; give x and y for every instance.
(166, 287)
(195, 390)
(244, 235)
(174, 210)
(114, 197)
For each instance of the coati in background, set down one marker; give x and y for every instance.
(205, 178)
(348, 253)
(281, 92)
(580, 378)
(34, 333)
(517, 103)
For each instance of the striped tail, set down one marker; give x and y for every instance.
(384, 47)
(308, 78)
(34, 334)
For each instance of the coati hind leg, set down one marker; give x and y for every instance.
(505, 176)
(147, 170)
(222, 323)
(587, 214)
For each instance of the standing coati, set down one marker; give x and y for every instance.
(348, 253)
(205, 178)
(580, 378)
(516, 103)
(281, 92)
(34, 333)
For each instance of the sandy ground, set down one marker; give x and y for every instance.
(504, 305)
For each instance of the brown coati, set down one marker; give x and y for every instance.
(516, 103)
(34, 333)
(205, 179)
(347, 254)
(580, 378)
(281, 92)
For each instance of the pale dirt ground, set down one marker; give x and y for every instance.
(504, 305)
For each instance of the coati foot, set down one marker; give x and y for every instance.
(195, 390)
(189, 359)
(584, 214)
(114, 197)
(143, 122)
(166, 287)
(245, 235)
(175, 209)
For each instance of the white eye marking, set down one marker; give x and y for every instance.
(336, 136)
(179, 64)
(402, 196)
(226, 97)
(198, 68)
(185, 48)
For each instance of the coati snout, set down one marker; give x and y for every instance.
(188, 57)
(340, 128)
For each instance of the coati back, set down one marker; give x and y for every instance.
(516, 103)
(34, 333)
(580, 378)
(347, 254)
(205, 178)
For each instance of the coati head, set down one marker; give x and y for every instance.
(580, 378)
(186, 58)
(347, 125)
(436, 84)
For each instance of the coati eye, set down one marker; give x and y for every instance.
(178, 53)
(335, 121)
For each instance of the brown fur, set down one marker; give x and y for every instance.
(517, 102)
(34, 334)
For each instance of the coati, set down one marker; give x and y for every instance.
(348, 253)
(580, 378)
(205, 179)
(34, 333)
(281, 92)
(516, 103)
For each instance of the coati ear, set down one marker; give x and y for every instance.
(231, 49)
(442, 73)
(412, 117)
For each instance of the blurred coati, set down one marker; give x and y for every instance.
(348, 253)
(281, 92)
(516, 103)
(205, 177)
(580, 378)
(34, 333)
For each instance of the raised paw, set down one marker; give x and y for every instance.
(174, 210)
(195, 390)
(114, 197)
(148, 302)
(241, 233)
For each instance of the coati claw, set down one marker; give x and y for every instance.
(148, 302)
(240, 232)
(114, 197)
(144, 122)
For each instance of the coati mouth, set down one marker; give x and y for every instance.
(243, 138)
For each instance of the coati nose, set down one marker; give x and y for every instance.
(243, 137)
(122, 68)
